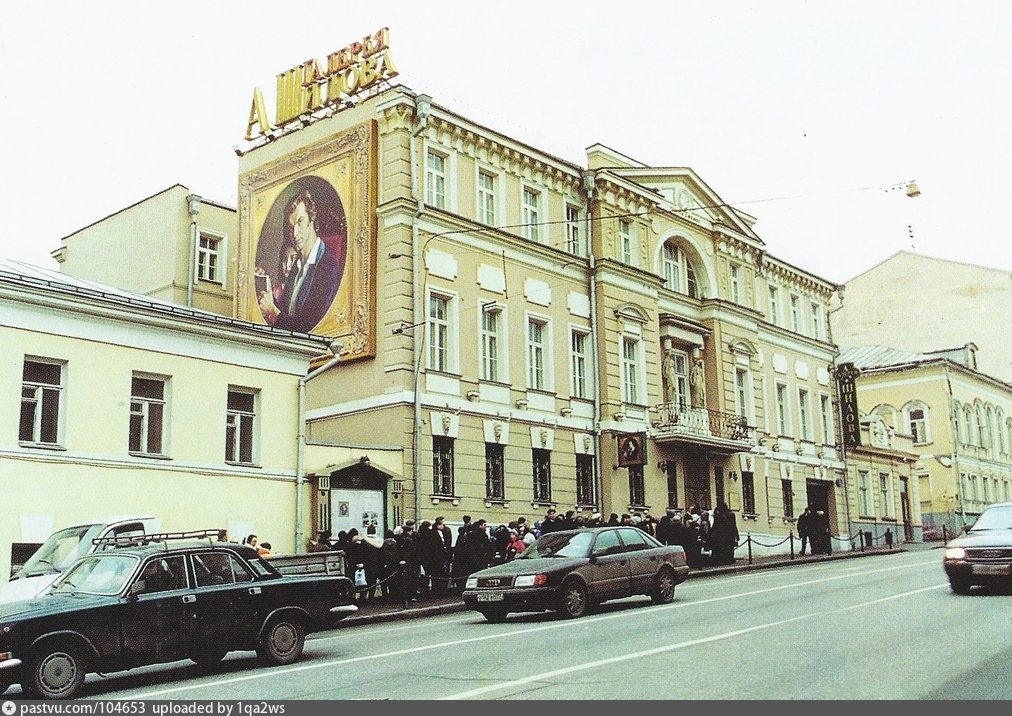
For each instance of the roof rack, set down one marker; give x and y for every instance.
(133, 540)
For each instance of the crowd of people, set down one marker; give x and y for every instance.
(423, 558)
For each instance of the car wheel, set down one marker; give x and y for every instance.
(960, 586)
(208, 656)
(282, 642)
(54, 672)
(574, 598)
(664, 588)
(494, 615)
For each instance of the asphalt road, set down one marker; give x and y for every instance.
(880, 627)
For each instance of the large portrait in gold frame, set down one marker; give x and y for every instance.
(308, 254)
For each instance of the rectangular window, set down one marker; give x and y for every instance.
(774, 306)
(536, 348)
(541, 465)
(490, 325)
(676, 378)
(209, 265)
(574, 235)
(748, 493)
(531, 214)
(41, 402)
(435, 179)
(735, 277)
(240, 427)
(671, 477)
(442, 465)
(787, 493)
(826, 412)
(439, 332)
(804, 415)
(742, 393)
(578, 364)
(885, 494)
(147, 415)
(625, 241)
(671, 266)
(864, 503)
(816, 321)
(637, 488)
(495, 474)
(795, 314)
(585, 480)
(918, 426)
(486, 198)
(783, 424)
(630, 372)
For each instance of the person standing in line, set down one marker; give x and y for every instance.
(804, 525)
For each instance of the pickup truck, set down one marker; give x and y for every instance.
(64, 547)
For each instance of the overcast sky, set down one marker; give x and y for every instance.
(802, 114)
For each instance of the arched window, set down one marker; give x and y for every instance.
(970, 416)
(679, 276)
(915, 416)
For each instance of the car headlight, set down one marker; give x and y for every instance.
(530, 580)
(955, 553)
(472, 583)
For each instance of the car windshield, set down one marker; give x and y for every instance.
(560, 544)
(997, 517)
(60, 550)
(97, 574)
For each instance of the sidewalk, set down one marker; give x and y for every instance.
(381, 611)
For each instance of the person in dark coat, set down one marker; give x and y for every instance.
(432, 555)
(723, 536)
(804, 525)
(821, 541)
(407, 549)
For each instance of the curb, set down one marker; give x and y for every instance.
(453, 607)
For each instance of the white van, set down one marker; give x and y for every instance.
(62, 548)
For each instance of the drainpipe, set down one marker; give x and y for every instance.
(590, 187)
(300, 468)
(193, 207)
(955, 450)
(423, 106)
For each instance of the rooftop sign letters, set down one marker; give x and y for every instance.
(314, 85)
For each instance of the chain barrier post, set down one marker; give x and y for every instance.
(402, 580)
(749, 540)
(945, 535)
(791, 535)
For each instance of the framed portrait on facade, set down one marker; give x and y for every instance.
(308, 239)
(632, 450)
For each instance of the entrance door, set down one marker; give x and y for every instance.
(697, 482)
(356, 508)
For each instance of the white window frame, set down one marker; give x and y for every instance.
(242, 424)
(817, 323)
(152, 412)
(734, 278)
(828, 425)
(783, 413)
(574, 230)
(925, 424)
(804, 414)
(539, 353)
(441, 345)
(581, 379)
(44, 399)
(487, 198)
(531, 208)
(631, 362)
(743, 401)
(886, 503)
(212, 263)
(493, 355)
(796, 313)
(865, 506)
(683, 396)
(437, 179)
(671, 266)
(625, 241)
(773, 305)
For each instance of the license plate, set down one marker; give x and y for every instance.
(491, 597)
(990, 569)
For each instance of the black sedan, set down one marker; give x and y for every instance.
(984, 554)
(571, 570)
(167, 599)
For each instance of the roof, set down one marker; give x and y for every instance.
(864, 357)
(19, 273)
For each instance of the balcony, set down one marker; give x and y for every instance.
(713, 428)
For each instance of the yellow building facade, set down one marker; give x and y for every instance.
(134, 406)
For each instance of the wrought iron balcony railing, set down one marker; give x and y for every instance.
(683, 420)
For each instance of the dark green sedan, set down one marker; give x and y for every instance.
(167, 599)
(571, 570)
